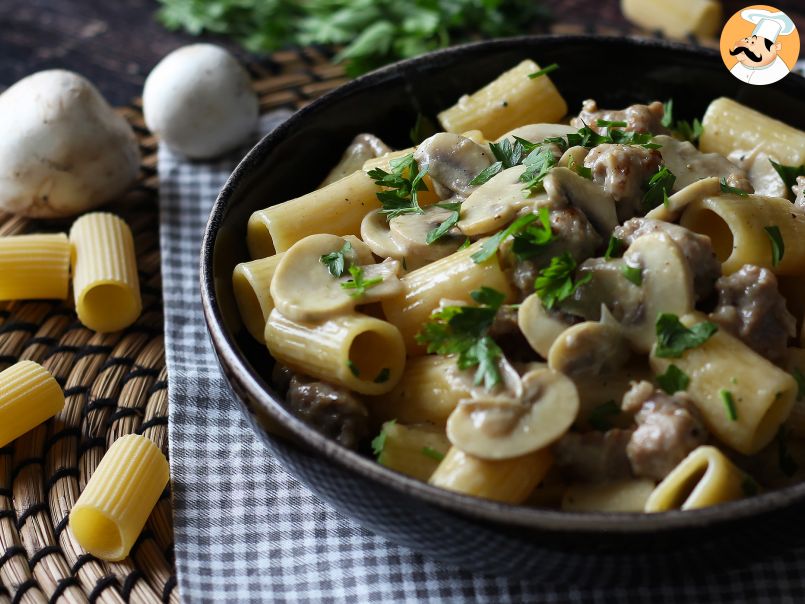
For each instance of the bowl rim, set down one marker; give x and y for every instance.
(236, 367)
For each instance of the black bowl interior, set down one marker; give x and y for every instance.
(294, 158)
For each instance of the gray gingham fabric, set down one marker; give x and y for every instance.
(246, 531)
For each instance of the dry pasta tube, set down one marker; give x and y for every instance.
(676, 19)
(724, 368)
(337, 209)
(705, 477)
(106, 286)
(620, 496)
(452, 277)
(730, 126)
(114, 506)
(359, 352)
(412, 450)
(427, 392)
(34, 267)
(509, 101)
(736, 227)
(29, 395)
(506, 480)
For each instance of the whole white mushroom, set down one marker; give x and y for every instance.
(200, 102)
(63, 148)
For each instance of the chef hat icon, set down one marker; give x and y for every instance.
(769, 24)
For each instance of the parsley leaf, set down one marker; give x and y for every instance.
(537, 164)
(402, 186)
(465, 245)
(432, 453)
(579, 169)
(531, 241)
(491, 245)
(682, 127)
(336, 262)
(659, 185)
(508, 154)
(601, 417)
(353, 368)
(667, 113)
(729, 404)
(614, 248)
(555, 282)
(777, 244)
(451, 221)
(463, 331)
(673, 338)
(379, 441)
(358, 284)
(487, 173)
(610, 124)
(786, 462)
(382, 376)
(788, 173)
(673, 380)
(587, 137)
(633, 274)
(800, 378)
(725, 188)
(544, 71)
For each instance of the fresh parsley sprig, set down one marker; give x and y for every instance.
(587, 137)
(537, 164)
(402, 186)
(579, 169)
(673, 380)
(788, 173)
(614, 248)
(691, 132)
(379, 441)
(358, 285)
(452, 220)
(633, 274)
(337, 262)
(491, 245)
(673, 338)
(544, 71)
(555, 283)
(531, 240)
(659, 186)
(777, 244)
(725, 188)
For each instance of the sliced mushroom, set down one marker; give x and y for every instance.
(463, 380)
(453, 161)
(536, 133)
(502, 427)
(607, 287)
(304, 290)
(564, 186)
(577, 153)
(363, 147)
(689, 164)
(706, 187)
(495, 203)
(589, 349)
(762, 175)
(540, 327)
(363, 254)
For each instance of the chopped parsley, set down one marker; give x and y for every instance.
(465, 245)
(432, 453)
(777, 244)
(555, 282)
(487, 173)
(452, 220)
(402, 186)
(725, 188)
(673, 338)
(537, 164)
(800, 378)
(609, 124)
(659, 185)
(633, 274)
(336, 262)
(788, 173)
(601, 417)
(507, 153)
(673, 380)
(614, 248)
(379, 441)
(544, 71)
(785, 461)
(463, 331)
(729, 404)
(683, 128)
(531, 240)
(382, 376)
(491, 245)
(358, 284)
(579, 169)
(353, 368)
(587, 137)
(537, 159)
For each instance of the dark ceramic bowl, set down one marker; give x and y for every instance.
(460, 530)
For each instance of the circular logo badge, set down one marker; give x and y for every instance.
(759, 45)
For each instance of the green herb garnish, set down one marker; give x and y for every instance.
(537, 164)
(611, 124)
(659, 186)
(383, 376)
(379, 441)
(673, 338)
(353, 368)
(688, 131)
(587, 137)
(729, 404)
(402, 186)
(673, 380)
(487, 173)
(451, 221)
(491, 245)
(725, 188)
(531, 240)
(601, 417)
(544, 71)
(358, 284)
(777, 244)
(465, 245)
(432, 453)
(336, 262)
(614, 248)
(579, 169)
(507, 153)
(633, 274)
(555, 282)
(788, 173)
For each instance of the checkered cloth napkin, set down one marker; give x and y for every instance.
(247, 531)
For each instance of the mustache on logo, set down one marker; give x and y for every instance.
(752, 56)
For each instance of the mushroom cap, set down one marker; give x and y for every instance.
(588, 349)
(540, 327)
(578, 153)
(706, 187)
(502, 427)
(564, 186)
(536, 133)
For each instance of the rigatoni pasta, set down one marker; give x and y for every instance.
(119, 496)
(29, 395)
(251, 282)
(34, 267)
(675, 19)
(106, 285)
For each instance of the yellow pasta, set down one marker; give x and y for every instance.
(337, 209)
(676, 19)
(511, 100)
(359, 352)
(114, 506)
(621, 496)
(34, 267)
(412, 450)
(730, 126)
(251, 282)
(507, 480)
(736, 227)
(705, 477)
(29, 395)
(106, 286)
(762, 394)
(453, 277)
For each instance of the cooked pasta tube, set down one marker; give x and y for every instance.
(452, 277)
(705, 477)
(511, 100)
(359, 352)
(741, 396)
(506, 480)
(412, 450)
(427, 392)
(736, 227)
(337, 209)
(620, 496)
(29, 395)
(34, 267)
(730, 126)
(675, 19)
(106, 286)
(119, 496)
